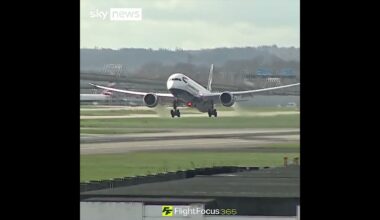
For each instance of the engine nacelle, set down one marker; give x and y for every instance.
(150, 100)
(227, 99)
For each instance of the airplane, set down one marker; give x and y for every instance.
(103, 96)
(93, 97)
(185, 90)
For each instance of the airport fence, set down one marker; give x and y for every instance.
(161, 177)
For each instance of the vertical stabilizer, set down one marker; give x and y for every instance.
(210, 78)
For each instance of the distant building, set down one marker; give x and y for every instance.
(287, 72)
(264, 72)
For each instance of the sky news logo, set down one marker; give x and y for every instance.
(118, 14)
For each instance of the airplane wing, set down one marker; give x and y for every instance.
(263, 90)
(215, 96)
(132, 92)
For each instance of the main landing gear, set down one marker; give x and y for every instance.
(212, 112)
(175, 112)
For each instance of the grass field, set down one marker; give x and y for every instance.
(114, 112)
(106, 166)
(120, 130)
(280, 121)
(103, 111)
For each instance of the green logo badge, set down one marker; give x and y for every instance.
(167, 210)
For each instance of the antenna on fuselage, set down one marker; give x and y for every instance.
(210, 77)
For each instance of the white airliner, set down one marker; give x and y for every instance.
(93, 97)
(105, 95)
(183, 89)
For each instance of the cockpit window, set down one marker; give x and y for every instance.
(176, 79)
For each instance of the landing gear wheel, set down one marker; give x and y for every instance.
(175, 112)
(212, 112)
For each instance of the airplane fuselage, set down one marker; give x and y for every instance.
(188, 91)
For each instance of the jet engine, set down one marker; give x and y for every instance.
(227, 99)
(150, 100)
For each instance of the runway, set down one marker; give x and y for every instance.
(201, 139)
(192, 115)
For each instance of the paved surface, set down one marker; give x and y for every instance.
(221, 139)
(191, 115)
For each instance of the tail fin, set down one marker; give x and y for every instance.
(210, 78)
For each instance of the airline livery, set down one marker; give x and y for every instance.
(183, 89)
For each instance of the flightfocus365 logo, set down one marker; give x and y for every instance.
(187, 211)
(118, 14)
(167, 210)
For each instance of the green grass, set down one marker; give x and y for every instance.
(118, 130)
(279, 121)
(257, 109)
(279, 145)
(114, 112)
(107, 166)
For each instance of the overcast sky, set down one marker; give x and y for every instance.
(192, 24)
